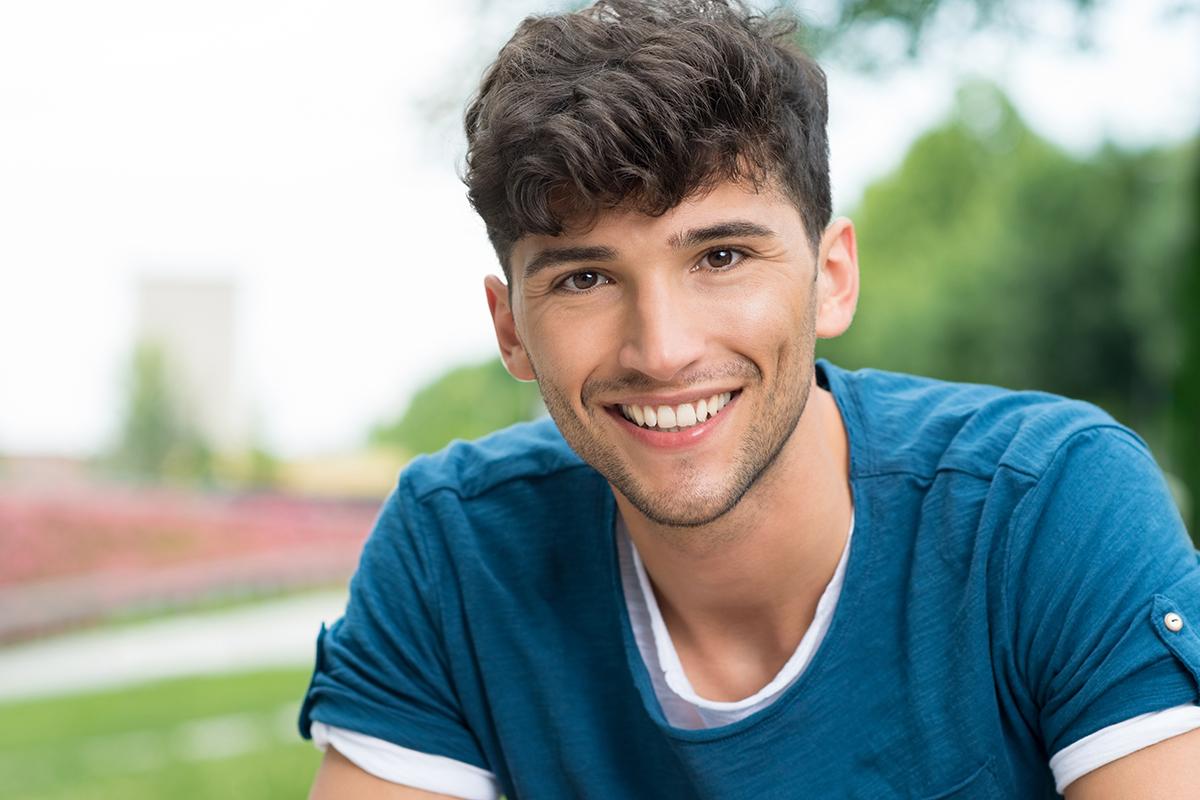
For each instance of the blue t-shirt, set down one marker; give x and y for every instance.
(1015, 556)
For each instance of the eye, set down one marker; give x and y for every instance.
(578, 282)
(721, 259)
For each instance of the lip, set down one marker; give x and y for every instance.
(665, 440)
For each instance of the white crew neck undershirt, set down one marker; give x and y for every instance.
(682, 706)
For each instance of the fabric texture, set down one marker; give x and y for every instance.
(1010, 553)
(685, 709)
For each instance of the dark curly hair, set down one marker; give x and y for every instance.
(643, 103)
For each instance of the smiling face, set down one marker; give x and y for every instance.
(675, 353)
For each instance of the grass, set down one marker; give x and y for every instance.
(227, 736)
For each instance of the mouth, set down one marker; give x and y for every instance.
(676, 417)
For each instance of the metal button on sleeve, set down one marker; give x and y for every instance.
(1174, 622)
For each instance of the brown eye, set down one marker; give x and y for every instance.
(582, 281)
(721, 259)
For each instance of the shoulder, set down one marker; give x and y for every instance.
(922, 426)
(494, 500)
(1099, 497)
(530, 451)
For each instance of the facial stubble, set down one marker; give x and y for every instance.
(760, 451)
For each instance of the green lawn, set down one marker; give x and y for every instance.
(230, 736)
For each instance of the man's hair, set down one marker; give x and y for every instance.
(644, 103)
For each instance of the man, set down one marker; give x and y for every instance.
(723, 569)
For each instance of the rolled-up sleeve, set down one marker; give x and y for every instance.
(382, 669)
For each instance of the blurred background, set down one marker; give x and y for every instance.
(240, 286)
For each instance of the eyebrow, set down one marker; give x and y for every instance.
(720, 230)
(554, 256)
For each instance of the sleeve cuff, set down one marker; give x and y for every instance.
(397, 764)
(1119, 740)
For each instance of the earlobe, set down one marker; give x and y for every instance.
(512, 351)
(837, 279)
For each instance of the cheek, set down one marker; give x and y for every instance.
(561, 350)
(764, 318)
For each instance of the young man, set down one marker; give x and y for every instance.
(723, 569)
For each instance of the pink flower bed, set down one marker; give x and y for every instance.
(78, 554)
(83, 531)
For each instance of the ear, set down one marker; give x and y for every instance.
(837, 279)
(512, 352)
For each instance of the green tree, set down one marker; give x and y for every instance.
(464, 403)
(844, 25)
(157, 441)
(990, 255)
(1186, 410)
(149, 429)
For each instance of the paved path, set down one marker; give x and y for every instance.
(279, 633)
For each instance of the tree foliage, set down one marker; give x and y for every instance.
(464, 403)
(866, 34)
(990, 255)
(851, 32)
(157, 439)
(1186, 412)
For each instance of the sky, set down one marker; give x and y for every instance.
(308, 152)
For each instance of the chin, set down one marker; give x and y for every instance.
(672, 509)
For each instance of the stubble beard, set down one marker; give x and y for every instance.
(692, 503)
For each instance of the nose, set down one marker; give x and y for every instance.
(664, 332)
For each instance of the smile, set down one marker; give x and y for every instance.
(676, 417)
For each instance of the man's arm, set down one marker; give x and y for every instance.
(1169, 770)
(382, 675)
(339, 777)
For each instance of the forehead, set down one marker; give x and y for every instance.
(624, 230)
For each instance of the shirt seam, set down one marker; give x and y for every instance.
(457, 491)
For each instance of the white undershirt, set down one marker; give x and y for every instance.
(681, 704)
(684, 708)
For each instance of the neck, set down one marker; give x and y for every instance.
(745, 587)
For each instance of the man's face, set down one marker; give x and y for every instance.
(675, 353)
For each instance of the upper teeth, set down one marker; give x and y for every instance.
(684, 415)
